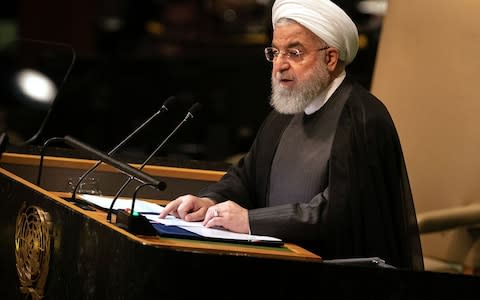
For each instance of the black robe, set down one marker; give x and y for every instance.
(367, 209)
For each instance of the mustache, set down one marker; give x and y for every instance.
(281, 76)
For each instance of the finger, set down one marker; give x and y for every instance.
(170, 208)
(196, 215)
(184, 209)
(215, 222)
(211, 213)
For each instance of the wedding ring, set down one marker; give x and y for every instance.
(215, 213)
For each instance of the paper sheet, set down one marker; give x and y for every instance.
(152, 210)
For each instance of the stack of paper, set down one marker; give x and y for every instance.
(152, 210)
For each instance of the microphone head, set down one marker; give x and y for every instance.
(168, 102)
(194, 109)
(161, 186)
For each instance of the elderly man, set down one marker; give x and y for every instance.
(326, 169)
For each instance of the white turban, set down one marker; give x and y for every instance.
(325, 19)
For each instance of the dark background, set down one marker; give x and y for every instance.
(132, 55)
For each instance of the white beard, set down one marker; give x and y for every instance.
(292, 101)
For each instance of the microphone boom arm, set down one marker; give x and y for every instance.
(135, 173)
(188, 116)
(163, 108)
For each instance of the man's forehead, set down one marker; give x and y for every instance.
(294, 34)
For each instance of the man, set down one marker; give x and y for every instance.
(326, 169)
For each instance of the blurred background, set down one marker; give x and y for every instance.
(112, 63)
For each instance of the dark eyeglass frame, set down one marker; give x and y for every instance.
(271, 53)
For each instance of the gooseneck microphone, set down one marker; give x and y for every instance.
(165, 107)
(190, 115)
(134, 222)
(133, 172)
(42, 156)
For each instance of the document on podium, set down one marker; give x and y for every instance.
(169, 226)
(175, 227)
(141, 206)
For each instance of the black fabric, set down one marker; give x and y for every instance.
(367, 209)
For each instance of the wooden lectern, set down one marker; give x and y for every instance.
(51, 248)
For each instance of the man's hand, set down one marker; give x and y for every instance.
(188, 207)
(228, 215)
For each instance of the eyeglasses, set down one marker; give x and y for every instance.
(272, 53)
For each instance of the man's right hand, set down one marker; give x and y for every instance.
(188, 207)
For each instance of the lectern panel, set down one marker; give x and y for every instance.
(51, 248)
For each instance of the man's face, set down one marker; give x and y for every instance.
(296, 81)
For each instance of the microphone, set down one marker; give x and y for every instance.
(131, 220)
(163, 109)
(42, 155)
(3, 142)
(133, 172)
(134, 222)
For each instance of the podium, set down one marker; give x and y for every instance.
(52, 248)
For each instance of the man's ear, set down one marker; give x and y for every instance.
(332, 58)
